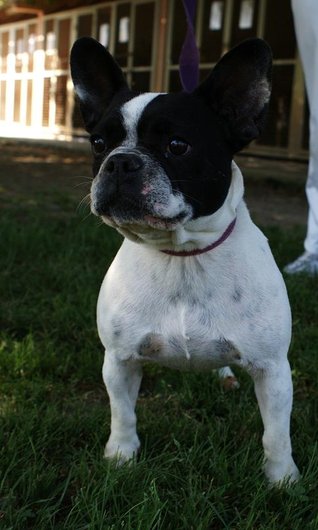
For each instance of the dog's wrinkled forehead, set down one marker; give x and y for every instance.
(131, 113)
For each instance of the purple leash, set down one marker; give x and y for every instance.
(189, 56)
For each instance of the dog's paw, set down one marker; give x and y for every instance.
(228, 379)
(281, 475)
(121, 453)
(230, 383)
(151, 344)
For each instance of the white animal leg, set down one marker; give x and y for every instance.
(273, 388)
(122, 380)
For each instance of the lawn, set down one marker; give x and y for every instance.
(200, 465)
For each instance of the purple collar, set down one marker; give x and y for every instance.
(197, 251)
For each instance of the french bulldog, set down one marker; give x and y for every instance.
(194, 285)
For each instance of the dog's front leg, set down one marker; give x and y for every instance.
(122, 380)
(273, 388)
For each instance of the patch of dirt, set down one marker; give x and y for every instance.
(29, 171)
(275, 191)
(59, 175)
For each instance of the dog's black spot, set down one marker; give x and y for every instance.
(175, 298)
(237, 295)
(193, 302)
(117, 328)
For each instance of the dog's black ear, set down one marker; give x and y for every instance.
(238, 89)
(97, 79)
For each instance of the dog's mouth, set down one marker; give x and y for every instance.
(146, 220)
(165, 223)
(157, 211)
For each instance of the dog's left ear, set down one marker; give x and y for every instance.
(97, 79)
(238, 89)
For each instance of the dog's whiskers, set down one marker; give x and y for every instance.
(84, 202)
(80, 184)
(81, 180)
(86, 217)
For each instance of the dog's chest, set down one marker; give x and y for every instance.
(196, 305)
(194, 298)
(184, 291)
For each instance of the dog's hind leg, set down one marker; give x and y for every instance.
(122, 380)
(273, 388)
(227, 378)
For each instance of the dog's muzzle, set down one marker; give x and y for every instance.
(119, 176)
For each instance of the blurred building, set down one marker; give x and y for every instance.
(36, 93)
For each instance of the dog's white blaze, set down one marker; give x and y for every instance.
(131, 112)
(162, 201)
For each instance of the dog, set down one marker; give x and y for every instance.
(194, 285)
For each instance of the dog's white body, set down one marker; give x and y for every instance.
(165, 179)
(200, 312)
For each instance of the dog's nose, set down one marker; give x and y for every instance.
(123, 164)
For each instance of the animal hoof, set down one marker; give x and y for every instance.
(151, 344)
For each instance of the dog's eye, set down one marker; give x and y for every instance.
(178, 147)
(98, 145)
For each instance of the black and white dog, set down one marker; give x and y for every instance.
(194, 284)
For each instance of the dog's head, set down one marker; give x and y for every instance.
(163, 159)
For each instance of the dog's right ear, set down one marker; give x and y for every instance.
(238, 90)
(97, 79)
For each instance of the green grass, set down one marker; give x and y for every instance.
(200, 465)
